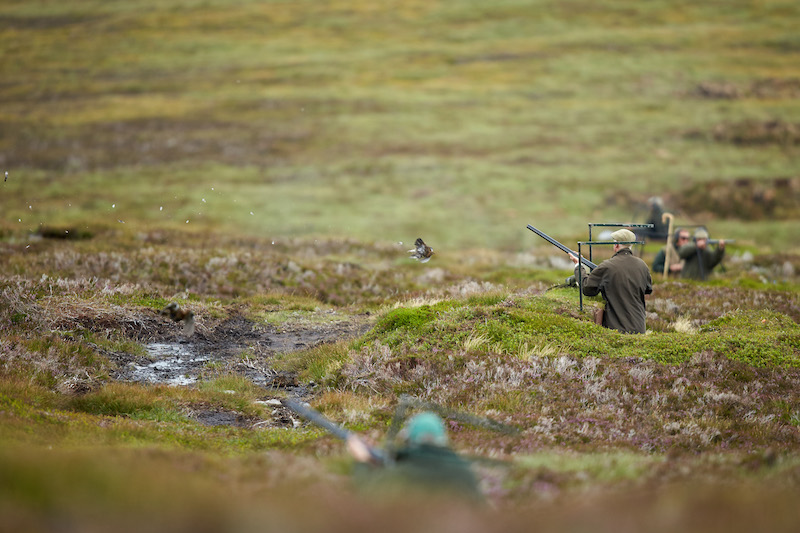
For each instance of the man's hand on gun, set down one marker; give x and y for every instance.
(360, 450)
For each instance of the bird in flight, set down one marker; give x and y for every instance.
(422, 251)
(175, 313)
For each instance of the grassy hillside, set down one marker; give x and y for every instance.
(453, 120)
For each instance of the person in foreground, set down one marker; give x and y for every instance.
(699, 259)
(424, 462)
(623, 280)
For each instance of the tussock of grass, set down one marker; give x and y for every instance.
(134, 401)
(475, 342)
(684, 325)
(320, 364)
(52, 362)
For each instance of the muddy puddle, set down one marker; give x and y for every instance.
(173, 364)
(235, 346)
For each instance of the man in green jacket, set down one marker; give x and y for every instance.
(424, 463)
(699, 258)
(623, 280)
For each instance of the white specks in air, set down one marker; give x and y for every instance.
(204, 200)
(187, 220)
(161, 208)
(251, 212)
(120, 221)
(6, 176)
(113, 206)
(30, 207)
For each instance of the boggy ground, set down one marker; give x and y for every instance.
(234, 345)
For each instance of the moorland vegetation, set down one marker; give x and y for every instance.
(268, 165)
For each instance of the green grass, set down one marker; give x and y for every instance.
(759, 337)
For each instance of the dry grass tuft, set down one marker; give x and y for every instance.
(418, 301)
(684, 324)
(475, 342)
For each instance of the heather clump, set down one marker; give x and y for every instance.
(700, 303)
(564, 381)
(53, 362)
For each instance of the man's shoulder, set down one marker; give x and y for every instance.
(628, 260)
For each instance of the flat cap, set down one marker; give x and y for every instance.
(623, 235)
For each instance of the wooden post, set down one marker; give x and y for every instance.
(669, 250)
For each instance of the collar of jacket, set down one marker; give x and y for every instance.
(625, 251)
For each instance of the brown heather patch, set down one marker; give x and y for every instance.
(149, 141)
(767, 88)
(752, 132)
(335, 272)
(702, 302)
(744, 198)
(708, 403)
(52, 362)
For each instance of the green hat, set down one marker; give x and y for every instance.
(425, 428)
(700, 233)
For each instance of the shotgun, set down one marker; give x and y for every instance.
(557, 244)
(337, 431)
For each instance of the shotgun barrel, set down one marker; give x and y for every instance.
(316, 417)
(557, 244)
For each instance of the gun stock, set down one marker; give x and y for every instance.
(557, 244)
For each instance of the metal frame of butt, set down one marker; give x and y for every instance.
(593, 243)
(613, 225)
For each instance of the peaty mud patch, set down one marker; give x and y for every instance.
(174, 360)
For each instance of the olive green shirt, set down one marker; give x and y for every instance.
(699, 263)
